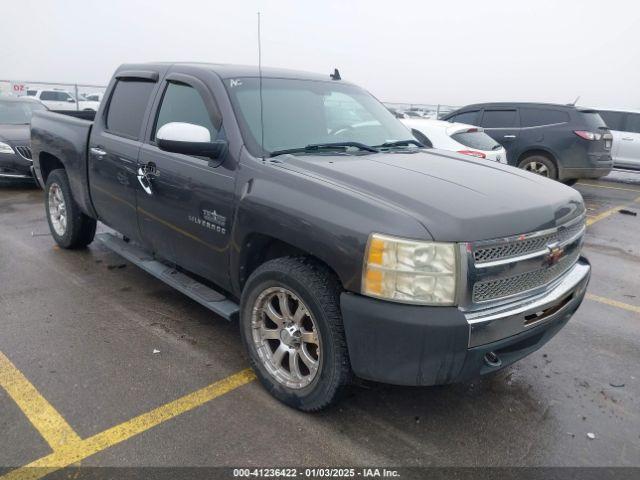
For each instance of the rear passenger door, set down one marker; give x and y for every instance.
(186, 216)
(629, 145)
(503, 125)
(113, 153)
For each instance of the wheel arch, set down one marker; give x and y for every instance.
(258, 248)
(48, 163)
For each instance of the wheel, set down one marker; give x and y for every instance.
(540, 165)
(69, 227)
(570, 182)
(292, 330)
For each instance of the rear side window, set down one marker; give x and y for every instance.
(477, 140)
(182, 103)
(471, 118)
(49, 96)
(500, 119)
(127, 106)
(592, 120)
(633, 123)
(536, 117)
(614, 120)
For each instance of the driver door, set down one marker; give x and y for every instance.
(185, 214)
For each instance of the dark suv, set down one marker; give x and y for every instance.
(558, 141)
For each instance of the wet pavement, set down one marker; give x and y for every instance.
(82, 326)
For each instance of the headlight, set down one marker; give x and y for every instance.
(409, 271)
(5, 148)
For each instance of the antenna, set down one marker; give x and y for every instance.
(575, 101)
(260, 88)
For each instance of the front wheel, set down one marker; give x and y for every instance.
(291, 327)
(69, 227)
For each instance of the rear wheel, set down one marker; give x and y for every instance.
(539, 165)
(291, 327)
(69, 227)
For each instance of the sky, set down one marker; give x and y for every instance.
(448, 52)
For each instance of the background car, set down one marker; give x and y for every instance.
(15, 138)
(62, 100)
(456, 137)
(625, 128)
(94, 97)
(562, 142)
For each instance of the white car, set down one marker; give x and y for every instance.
(456, 137)
(625, 129)
(62, 100)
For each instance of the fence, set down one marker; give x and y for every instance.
(19, 88)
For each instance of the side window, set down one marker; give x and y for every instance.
(48, 95)
(535, 117)
(127, 106)
(500, 119)
(182, 103)
(633, 123)
(63, 97)
(470, 118)
(613, 120)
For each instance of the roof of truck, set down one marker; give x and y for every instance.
(232, 71)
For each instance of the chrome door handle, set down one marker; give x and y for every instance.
(509, 136)
(98, 151)
(628, 139)
(144, 180)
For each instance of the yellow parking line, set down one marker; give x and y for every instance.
(596, 218)
(637, 190)
(613, 303)
(46, 419)
(74, 452)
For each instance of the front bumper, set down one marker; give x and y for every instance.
(14, 167)
(416, 345)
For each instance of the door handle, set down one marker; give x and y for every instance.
(509, 136)
(98, 151)
(145, 181)
(628, 139)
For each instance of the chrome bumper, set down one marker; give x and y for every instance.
(14, 175)
(504, 321)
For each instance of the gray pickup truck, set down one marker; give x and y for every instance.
(299, 206)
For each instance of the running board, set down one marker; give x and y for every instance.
(201, 293)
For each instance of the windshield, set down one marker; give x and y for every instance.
(297, 113)
(17, 113)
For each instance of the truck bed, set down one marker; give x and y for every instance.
(63, 137)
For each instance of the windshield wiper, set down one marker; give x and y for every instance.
(400, 143)
(316, 147)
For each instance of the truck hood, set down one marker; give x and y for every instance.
(455, 197)
(15, 133)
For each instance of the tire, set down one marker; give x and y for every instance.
(69, 227)
(570, 182)
(540, 165)
(318, 335)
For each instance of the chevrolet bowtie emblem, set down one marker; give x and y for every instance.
(554, 254)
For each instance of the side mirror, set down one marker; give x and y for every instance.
(189, 139)
(71, 100)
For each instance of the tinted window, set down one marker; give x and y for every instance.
(633, 123)
(592, 120)
(535, 117)
(499, 119)
(127, 106)
(614, 120)
(31, 93)
(470, 118)
(182, 103)
(49, 96)
(478, 140)
(64, 96)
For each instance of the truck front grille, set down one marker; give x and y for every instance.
(510, 286)
(24, 152)
(505, 268)
(523, 247)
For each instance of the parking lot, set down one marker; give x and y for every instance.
(103, 365)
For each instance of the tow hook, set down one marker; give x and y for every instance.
(492, 359)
